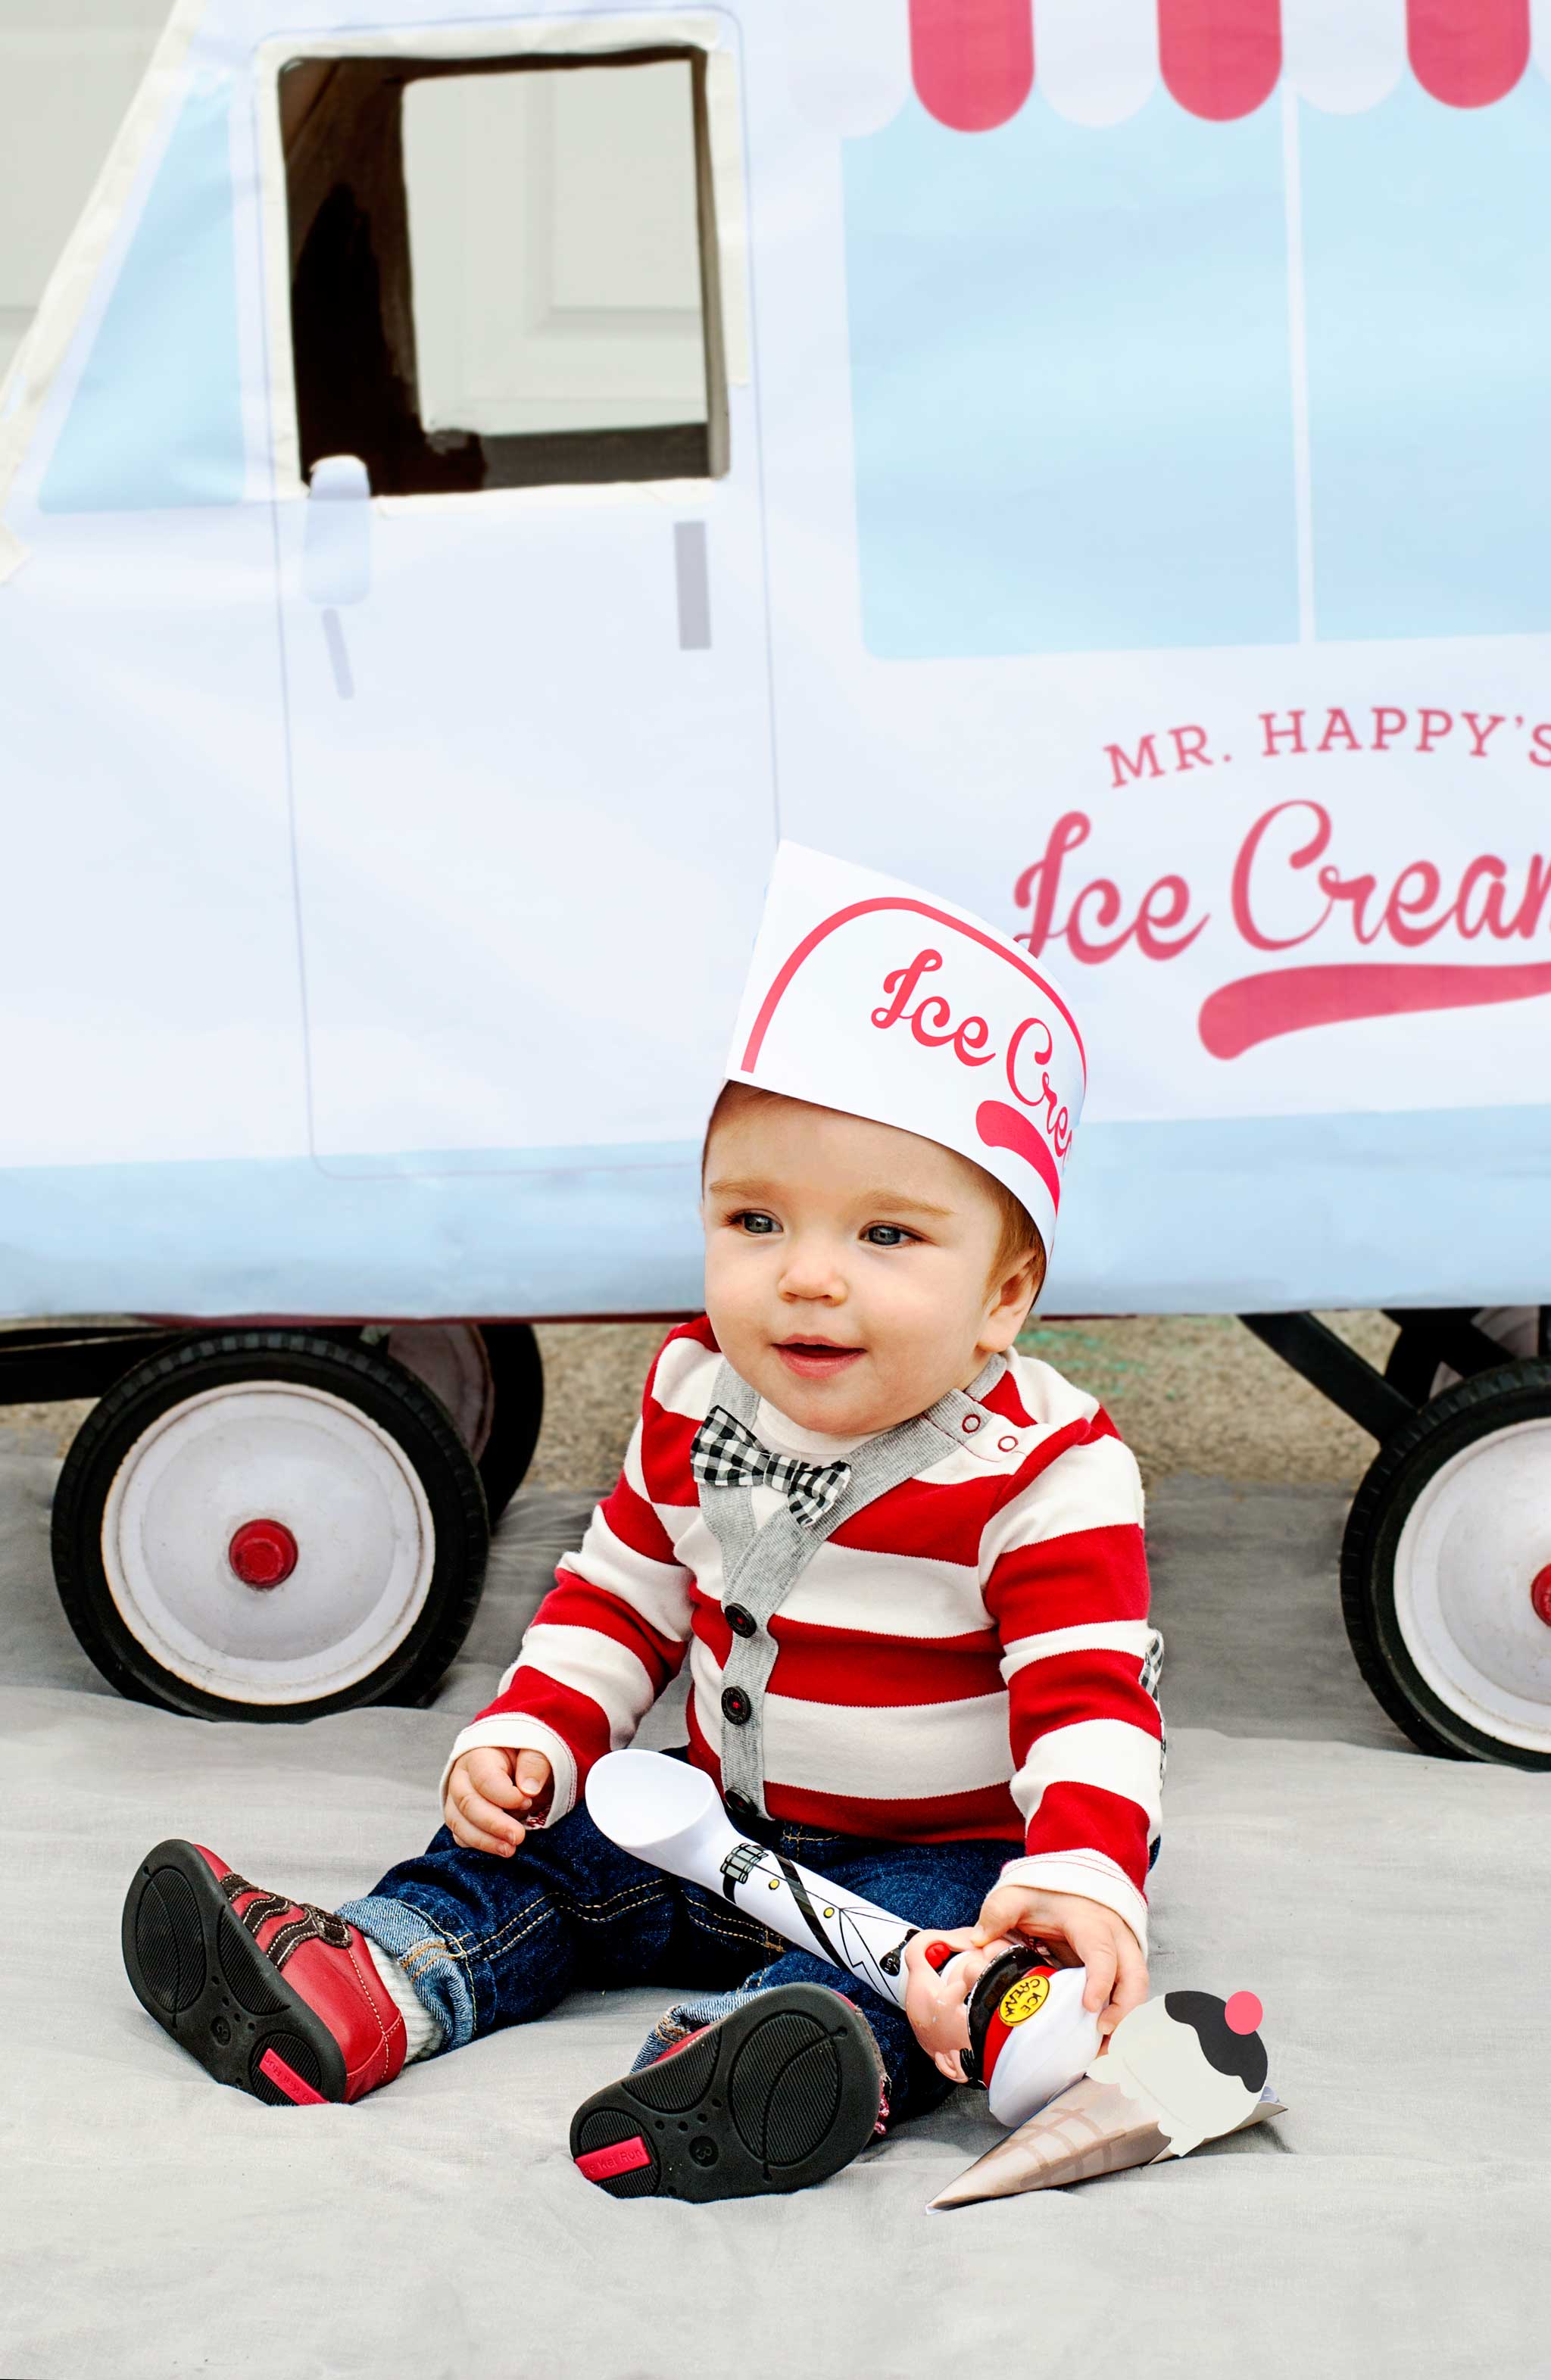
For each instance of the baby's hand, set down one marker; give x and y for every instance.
(484, 1787)
(936, 2000)
(1080, 1933)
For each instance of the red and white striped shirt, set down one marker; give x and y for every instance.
(967, 1655)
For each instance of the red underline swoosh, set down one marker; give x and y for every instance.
(1001, 1126)
(1259, 1007)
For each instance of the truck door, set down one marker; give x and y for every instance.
(522, 594)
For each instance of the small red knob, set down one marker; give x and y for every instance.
(1540, 1594)
(937, 1955)
(262, 1553)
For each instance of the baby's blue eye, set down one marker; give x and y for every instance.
(886, 1235)
(762, 1226)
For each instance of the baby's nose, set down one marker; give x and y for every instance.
(809, 1274)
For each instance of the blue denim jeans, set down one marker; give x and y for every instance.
(489, 1942)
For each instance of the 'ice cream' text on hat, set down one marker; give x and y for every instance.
(866, 995)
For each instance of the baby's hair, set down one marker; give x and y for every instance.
(1018, 1241)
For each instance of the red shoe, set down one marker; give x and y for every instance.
(781, 2094)
(272, 1995)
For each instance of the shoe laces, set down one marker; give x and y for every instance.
(311, 1924)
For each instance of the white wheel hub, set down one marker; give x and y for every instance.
(257, 1463)
(1470, 1585)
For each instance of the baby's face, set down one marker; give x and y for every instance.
(848, 1265)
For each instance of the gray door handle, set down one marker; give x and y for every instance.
(336, 551)
(337, 548)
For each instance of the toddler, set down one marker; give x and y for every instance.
(903, 1561)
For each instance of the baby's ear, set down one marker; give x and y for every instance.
(1013, 1301)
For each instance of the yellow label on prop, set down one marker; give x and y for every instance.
(1025, 1999)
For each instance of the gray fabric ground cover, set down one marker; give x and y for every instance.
(1391, 1911)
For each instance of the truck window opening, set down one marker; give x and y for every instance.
(503, 271)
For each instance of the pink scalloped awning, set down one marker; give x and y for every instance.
(975, 62)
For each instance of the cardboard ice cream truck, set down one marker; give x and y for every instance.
(481, 473)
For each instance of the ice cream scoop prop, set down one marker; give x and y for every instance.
(1179, 2071)
(1029, 2035)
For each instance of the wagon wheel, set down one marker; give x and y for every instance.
(265, 1524)
(1414, 1366)
(491, 1377)
(1446, 1572)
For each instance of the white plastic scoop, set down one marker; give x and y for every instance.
(1037, 2039)
(670, 1816)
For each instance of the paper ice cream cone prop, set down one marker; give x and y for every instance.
(1181, 2069)
(1090, 2128)
(1194, 2063)
(869, 996)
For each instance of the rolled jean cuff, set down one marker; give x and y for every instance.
(684, 2018)
(432, 1965)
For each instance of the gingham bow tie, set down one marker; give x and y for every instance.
(725, 1454)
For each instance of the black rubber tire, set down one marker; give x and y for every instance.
(1472, 1410)
(398, 1404)
(517, 1372)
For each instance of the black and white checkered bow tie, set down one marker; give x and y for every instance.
(725, 1454)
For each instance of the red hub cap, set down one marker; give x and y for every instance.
(1540, 1594)
(262, 1553)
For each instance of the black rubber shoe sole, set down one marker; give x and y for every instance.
(200, 1974)
(776, 2096)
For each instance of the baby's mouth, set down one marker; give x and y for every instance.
(816, 1359)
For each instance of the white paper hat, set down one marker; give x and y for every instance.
(866, 995)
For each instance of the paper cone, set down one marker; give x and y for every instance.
(1092, 2128)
